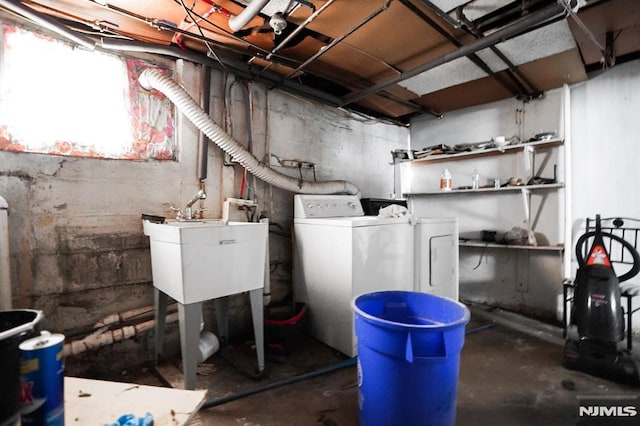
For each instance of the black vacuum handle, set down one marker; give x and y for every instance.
(635, 267)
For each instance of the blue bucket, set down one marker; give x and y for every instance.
(408, 357)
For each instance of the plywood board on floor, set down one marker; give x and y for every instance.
(99, 402)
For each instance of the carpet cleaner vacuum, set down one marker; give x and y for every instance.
(597, 312)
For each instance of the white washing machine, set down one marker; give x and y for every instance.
(340, 254)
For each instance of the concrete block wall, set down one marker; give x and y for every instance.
(76, 242)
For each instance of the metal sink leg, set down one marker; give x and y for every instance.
(258, 324)
(160, 314)
(190, 316)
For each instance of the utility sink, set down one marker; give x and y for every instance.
(194, 261)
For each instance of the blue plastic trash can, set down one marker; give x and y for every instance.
(409, 347)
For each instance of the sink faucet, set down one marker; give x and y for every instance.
(187, 213)
(200, 195)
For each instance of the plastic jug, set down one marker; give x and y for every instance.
(445, 180)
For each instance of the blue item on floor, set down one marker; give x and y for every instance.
(131, 420)
(409, 347)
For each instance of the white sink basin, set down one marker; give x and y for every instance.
(193, 261)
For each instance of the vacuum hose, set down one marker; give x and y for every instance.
(626, 245)
(155, 79)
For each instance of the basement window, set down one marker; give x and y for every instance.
(60, 100)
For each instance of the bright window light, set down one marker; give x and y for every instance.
(62, 100)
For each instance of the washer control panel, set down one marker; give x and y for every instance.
(321, 206)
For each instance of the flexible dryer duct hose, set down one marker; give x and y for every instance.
(155, 79)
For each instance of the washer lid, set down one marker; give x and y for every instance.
(352, 222)
(436, 220)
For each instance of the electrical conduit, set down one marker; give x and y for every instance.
(154, 79)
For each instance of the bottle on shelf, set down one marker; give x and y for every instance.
(445, 180)
(475, 180)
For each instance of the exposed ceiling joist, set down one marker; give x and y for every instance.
(518, 27)
(387, 58)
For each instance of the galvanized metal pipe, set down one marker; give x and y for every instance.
(521, 26)
(472, 57)
(295, 32)
(516, 76)
(241, 69)
(331, 45)
(47, 22)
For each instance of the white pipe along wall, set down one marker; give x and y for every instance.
(251, 11)
(97, 340)
(5, 271)
(102, 335)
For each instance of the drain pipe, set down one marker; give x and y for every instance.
(121, 317)
(97, 340)
(328, 369)
(319, 372)
(238, 22)
(203, 141)
(5, 271)
(47, 22)
(154, 79)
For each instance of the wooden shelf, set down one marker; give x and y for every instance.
(508, 149)
(485, 190)
(482, 244)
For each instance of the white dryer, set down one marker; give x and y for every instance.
(436, 256)
(340, 254)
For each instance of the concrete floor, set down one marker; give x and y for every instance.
(507, 377)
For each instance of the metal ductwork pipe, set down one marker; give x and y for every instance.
(238, 22)
(47, 22)
(237, 67)
(300, 27)
(155, 79)
(517, 28)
